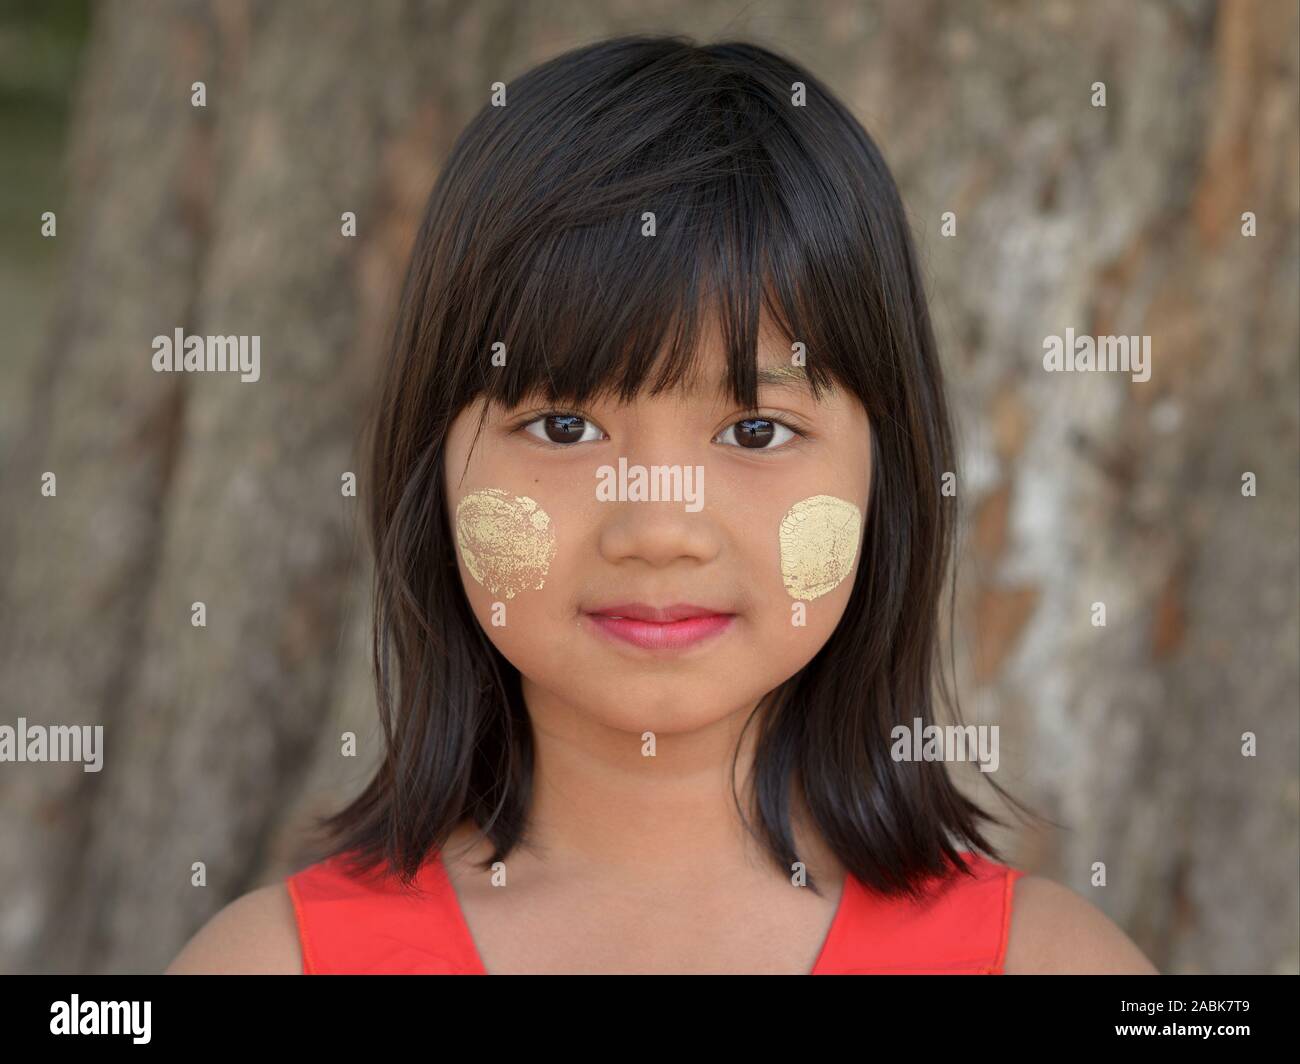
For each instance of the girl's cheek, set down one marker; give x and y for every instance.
(819, 539)
(506, 541)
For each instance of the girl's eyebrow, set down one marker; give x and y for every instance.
(784, 376)
(778, 376)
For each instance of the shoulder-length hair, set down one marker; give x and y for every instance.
(766, 195)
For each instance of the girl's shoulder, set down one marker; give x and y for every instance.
(327, 916)
(990, 919)
(253, 935)
(1055, 931)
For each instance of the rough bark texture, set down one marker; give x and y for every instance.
(1077, 488)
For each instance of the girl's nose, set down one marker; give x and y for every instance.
(656, 515)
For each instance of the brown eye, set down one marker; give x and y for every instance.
(562, 428)
(755, 433)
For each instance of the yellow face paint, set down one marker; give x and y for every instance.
(505, 540)
(819, 541)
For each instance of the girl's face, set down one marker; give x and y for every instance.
(747, 519)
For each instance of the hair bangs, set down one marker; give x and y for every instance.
(629, 258)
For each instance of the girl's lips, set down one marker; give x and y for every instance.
(668, 635)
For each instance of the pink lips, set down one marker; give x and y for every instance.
(667, 628)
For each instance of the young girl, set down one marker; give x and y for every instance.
(660, 542)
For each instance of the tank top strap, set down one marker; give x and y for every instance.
(368, 923)
(960, 927)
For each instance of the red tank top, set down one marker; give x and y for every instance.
(370, 925)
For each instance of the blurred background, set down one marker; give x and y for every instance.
(221, 742)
